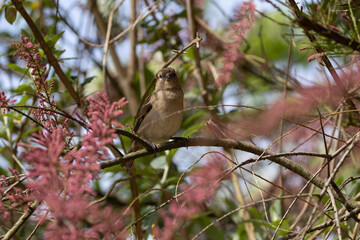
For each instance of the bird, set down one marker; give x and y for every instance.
(160, 117)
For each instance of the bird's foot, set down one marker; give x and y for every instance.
(151, 146)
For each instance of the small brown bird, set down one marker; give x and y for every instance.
(160, 117)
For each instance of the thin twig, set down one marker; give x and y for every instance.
(336, 169)
(326, 224)
(337, 221)
(229, 143)
(109, 191)
(37, 226)
(198, 68)
(151, 8)
(64, 114)
(106, 44)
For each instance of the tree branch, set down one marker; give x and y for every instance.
(298, 15)
(198, 70)
(305, 22)
(239, 145)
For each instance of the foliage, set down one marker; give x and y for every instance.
(278, 86)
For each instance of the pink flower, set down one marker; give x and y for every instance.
(61, 174)
(232, 53)
(101, 109)
(29, 51)
(4, 101)
(206, 181)
(13, 197)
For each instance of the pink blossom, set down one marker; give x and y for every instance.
(316, 56)
(12, 197)
(101, 109)
(29, 51)
(298, 108)
(206, 181)
(60, 177)
(4, 101)
(232, 53)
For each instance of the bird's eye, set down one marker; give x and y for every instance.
(161, 76)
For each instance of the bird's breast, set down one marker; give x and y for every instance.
(165, 117)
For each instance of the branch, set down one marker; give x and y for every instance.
(199, 141)
(106, 44)
(132, 65)
(51, 58)
(305, 22)
(326, 224)
(198, 70)
(131, 70)
(298, 14)
(239, 145)
(21, 221)
(141, 17)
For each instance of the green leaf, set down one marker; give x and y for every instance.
(284, 226)
(275, 210)
(25, 33)
(148, 221)
(3, 7)
(10, 14)
(193, 117)
(23, 88)
(189, 55)
(16, 68)
(58, 53)
(87, 80)
(159, 163)
(53, 40)
(212, 232)
(31, 131)
(190, 131)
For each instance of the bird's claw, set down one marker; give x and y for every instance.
(152, 146)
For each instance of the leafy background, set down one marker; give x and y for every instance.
(259, 78)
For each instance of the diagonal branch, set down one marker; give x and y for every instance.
(305, 22)
(298, 14)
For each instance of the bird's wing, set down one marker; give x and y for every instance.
(142, 113)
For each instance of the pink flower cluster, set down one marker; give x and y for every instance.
(232, 53)
(4, 102)
(299, 108)
(61, 175)
(11, 193)
(101, 110)
(206, 181)
(29, 51)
